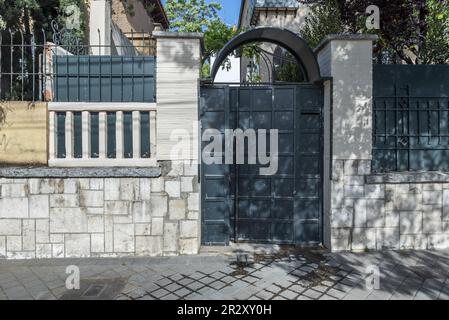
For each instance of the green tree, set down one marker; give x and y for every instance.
(413, 31)
(199, 16)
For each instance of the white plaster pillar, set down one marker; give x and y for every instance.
(100, 25)
(177, 73)
(346, 61)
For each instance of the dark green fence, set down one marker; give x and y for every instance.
(410, 118)
(86, 78)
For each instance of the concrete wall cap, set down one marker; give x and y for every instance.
(345, 37)
(180, 35)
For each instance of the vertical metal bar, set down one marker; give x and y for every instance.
(86, 134)
(102, 135)
(69, 135)
(119, 134)
(67, 76)
(132, 69)
(22, 63)
(40, 76)
(136, 135)
(33, 59)
(52, 152)
(43, 69)
(1, 50)
(11, 64)
(143, 67)
(396, 127)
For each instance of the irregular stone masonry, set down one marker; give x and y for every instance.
(386, 215)
(101, 217)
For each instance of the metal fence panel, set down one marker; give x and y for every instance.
(410, 118)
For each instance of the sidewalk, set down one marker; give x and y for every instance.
(302, 275)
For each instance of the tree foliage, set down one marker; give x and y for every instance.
(199, 16)
(413, 31)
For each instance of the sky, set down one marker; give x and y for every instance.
(230, 10)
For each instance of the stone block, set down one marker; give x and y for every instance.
(10, 227)
(51, 186)
(157, 226)
(159, 205)
(42, 230)
(413, 241)
(129, 189)
(387, 238)
(14, 243)
(177, 209)
(351, 167)
(375, 191)
(337, 170)
(342, 218)
(57, 250)
(157, 185)
(68, 220)
(375, 213)
(340, 239)
(364, 167)
(446, 204)
(91, 198)
(2, 247)
(145, 189)
(432, 186)
(363, 239)
(71, 186)
(189, 229)
(411, 222)
(14, 208)
(438, 241)
(190, 168)
(142, 212)
(96, 184)
(432, 197)
(43, 251)
(95, 224)
(109, 234)
(39, 206)
(432, 220)
(170, 237)
(354, 180)
(97, 242)
(95, 211)
(148, 246)
(124, 238)
(56, 238)
(14, 190)
(360, 217)
(77, 245)
(408, 202)
(123, 219)
(84, 183)
(392, 219)
(338, 194)
(354, 191)
(177, 169)
(189, 246)
(142, 229)
(173, 188)
(64, 201)
(118, 208)
(187, 184)
(28, 235)
(112, 189)
(193, 202)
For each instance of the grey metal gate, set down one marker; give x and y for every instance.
(238, 203)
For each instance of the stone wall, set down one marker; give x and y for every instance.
(101, 217)
(381, 212)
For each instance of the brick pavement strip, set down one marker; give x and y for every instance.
(404, 275)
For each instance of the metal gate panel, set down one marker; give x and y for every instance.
(240, 204)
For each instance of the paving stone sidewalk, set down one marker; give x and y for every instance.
(297, 275)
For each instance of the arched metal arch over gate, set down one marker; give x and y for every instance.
(239, 204)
